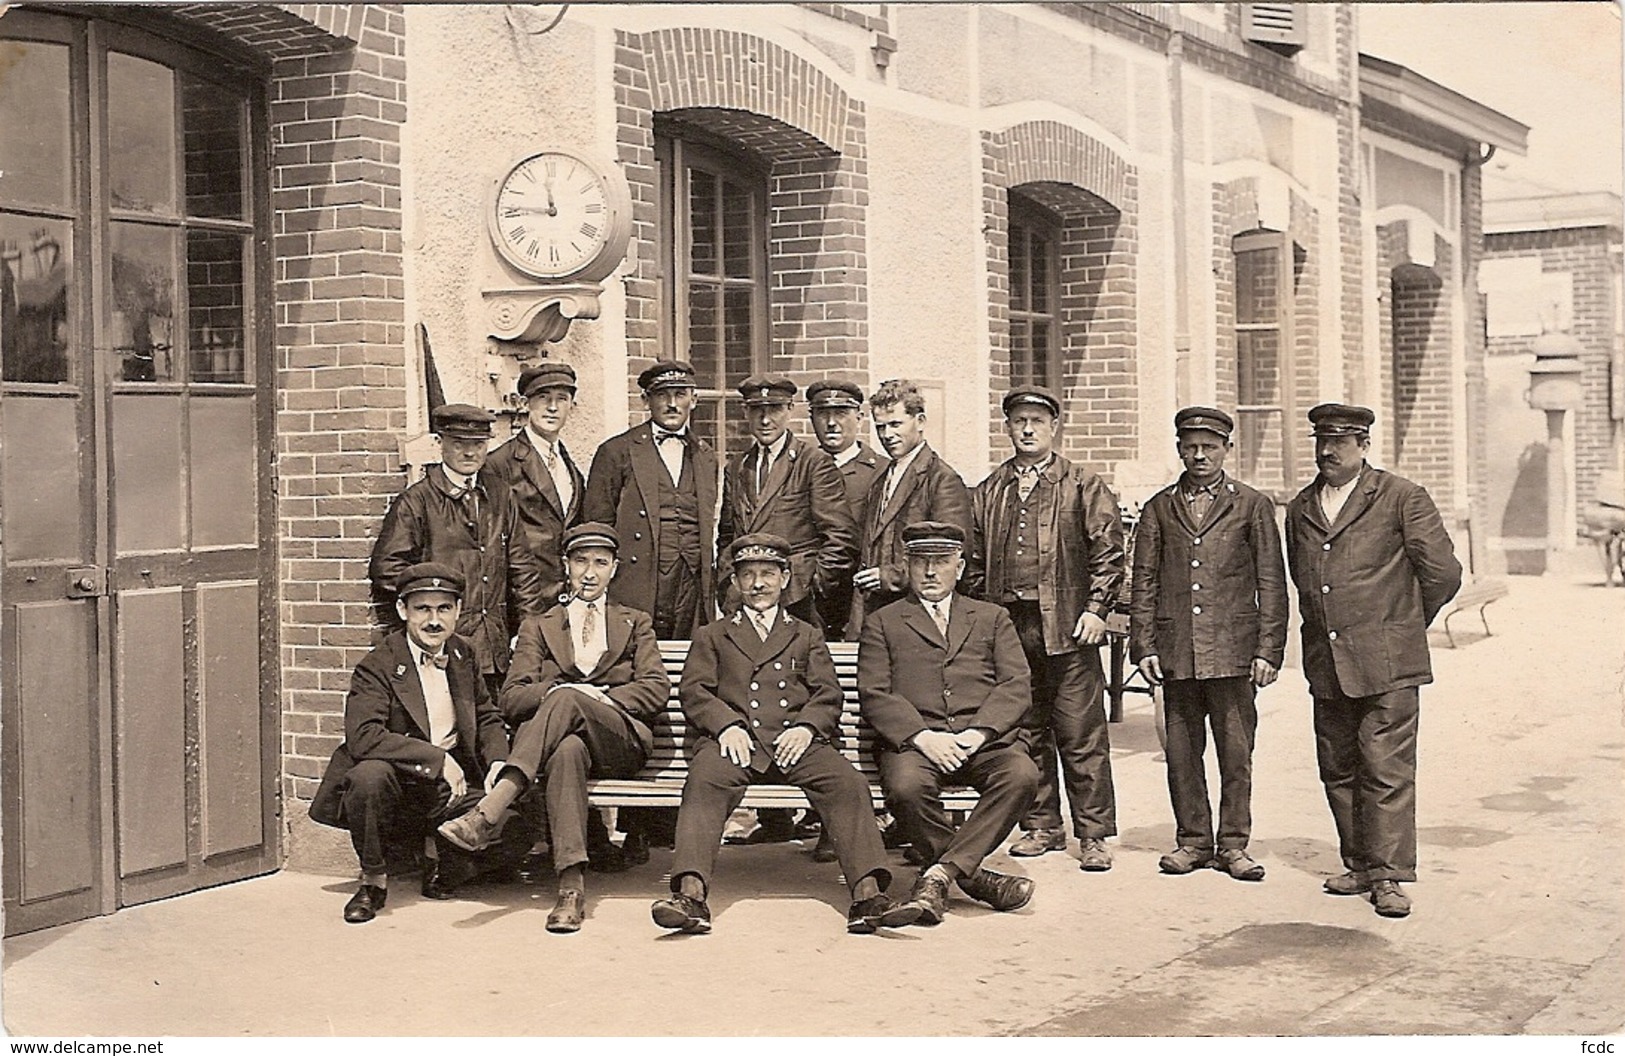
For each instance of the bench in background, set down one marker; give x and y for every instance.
(1476, 593)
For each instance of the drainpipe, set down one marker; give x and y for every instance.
(1183, 380)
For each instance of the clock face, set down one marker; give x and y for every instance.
(552, 215)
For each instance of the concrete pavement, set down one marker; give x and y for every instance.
(1518, 924)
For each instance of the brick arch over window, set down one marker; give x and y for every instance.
(1093, 192)
(1415, 326)
(809, 136)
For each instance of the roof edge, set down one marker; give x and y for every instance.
(1410, 92)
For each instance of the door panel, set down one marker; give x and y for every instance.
(222, 463)
(228, 683)
(148, 511)
(150, 724)
(40, 486)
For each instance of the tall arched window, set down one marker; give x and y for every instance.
(1035, 295)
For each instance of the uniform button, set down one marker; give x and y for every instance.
(755, 722)
(947, 693)
(485, 579)
(643, 513)
(754, 704)
(784, 703)
(1023, 524)
(634, 559)
(1196, 610)
(1324, 589)
(778, 667)
(1197, 541)
(1196, 586)
(1195, 563)
(754, 687)
(1332, 635)
(637, 535)
(1325, 546)
(781, 685)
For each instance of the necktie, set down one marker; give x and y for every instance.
(589, 625)
(939, 618)
(661, 436)
(1026, 480)
(759, 621)
(762, 463)
(437, 659)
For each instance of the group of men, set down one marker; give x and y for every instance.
(525, 602)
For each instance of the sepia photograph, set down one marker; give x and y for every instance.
(973, 522)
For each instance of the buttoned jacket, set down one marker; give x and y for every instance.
(1078, 530)
(734, 677)
(858, 475)
(623, 489)
(804, 502)
(541, 512)
(629, 671)
(911, 679)
(1369, 584)
(1210, 596)
(929, 491)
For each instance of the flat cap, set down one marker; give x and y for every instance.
(933, 537)
(462, 420)
(428, 575)
(1032, 396)
(546, 375)
(1210, 418)
(1340, 419)
(591, 533)
(834, 394)
(760, 546)
(667, 374)
(765, 389)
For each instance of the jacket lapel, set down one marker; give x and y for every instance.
(960, 621)
(1222, 502)
(408, 686)
(617, 632)
(1358, 502)
(645, 464)
(782, 634)
(460, 676)
(1310, 498)
(743, 635)
(577, 481)
(777, 474)
(556, 633)
(535, 471)
(922, 624)
(905, 487)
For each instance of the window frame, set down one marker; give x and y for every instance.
(1029, 218)
(1282, 245)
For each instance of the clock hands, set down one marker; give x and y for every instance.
(547, 182)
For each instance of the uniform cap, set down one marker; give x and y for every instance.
(766, 389)
(834, 394)
(667, 374)
(933, 537)
(428, 575)
(1341, 419)
(546, 376)
(760, 546)
(461, 420)
(1210, 418)
(1032, 396)
(591, 533)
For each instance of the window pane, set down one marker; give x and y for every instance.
(1021, 353)
(35, 124)
(703, 349)
(1020, 268)
(1258, 367)
(36, 258)
(143, 322)
(1257, 286)
(141, 134)
(215, 306)
(213, 118)
(1038, 272)
(738, 335)
(736, 231)
(702, 223)
(1038, 373)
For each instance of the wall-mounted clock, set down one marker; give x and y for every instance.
(561, 216)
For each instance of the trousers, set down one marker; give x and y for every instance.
(1189, 706)
(1006, 779)
(1366, 747)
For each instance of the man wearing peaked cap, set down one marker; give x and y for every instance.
(420, 734)
(1049, 549)
(1207, 622)
(833, 407)
(458, 516)
(536, 468)
(943, 682)
(585, 685)
(1373, 565)
(760, 691)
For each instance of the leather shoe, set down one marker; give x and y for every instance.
(364, 904)
(566, 915)
(824, 849)
(635, 849)
(1183, 860)
(1093, 857)
(930, 897)
(999, 890)
(1389, 899)
(471, 831)
(1035, 842)
(438, 882)
(1238, 863)
(682, 913)
(1349, 883)
(878, 911)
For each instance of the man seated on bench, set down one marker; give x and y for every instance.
(759, 689)
(944, 682)
(585, 683)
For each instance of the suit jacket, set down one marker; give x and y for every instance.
(1369, 585)
(386, 717)
(929, 491)
(542, 515)
(1080, 546)
(803, 500)
(502, 580)
(858, 474)
(1229, 565)
(910, 679)
(623, 490)
(734, 678)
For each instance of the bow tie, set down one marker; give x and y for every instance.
(437, 659)
(661, 436)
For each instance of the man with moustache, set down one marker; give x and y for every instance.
(586, 682)
(833, 408)
(452, 517)
(418, 726)
(917, 486)
(1373, 566)
(1207, 622)
(1049, 548)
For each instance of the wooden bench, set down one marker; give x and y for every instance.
(1478, 592)
(660, 782)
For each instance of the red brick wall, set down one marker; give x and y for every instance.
(1419, 406)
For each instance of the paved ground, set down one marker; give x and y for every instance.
(1518, 924)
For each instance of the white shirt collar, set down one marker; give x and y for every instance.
(849, 454)
(457, 480)
(769, 617)
(900, 466)
(542, 444)
(942, 606)
(776, 448)
(1347, 487)
(418, 652)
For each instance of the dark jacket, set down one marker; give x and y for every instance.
(858, 475)
(630, 672)
(385, 717)
(502, 580)
(1369, 585)
(910, 680)
(929, 491)
(623, 490)
(542, 517)
(1080, 546)
(1229, 566)
(734, 678)
(803, 501)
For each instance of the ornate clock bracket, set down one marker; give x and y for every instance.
(540, 313)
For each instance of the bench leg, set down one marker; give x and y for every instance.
(1447, 631)
(1484, 619)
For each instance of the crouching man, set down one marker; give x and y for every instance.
(944, 682)
(586, 681)
(759, 689)
(418, 727)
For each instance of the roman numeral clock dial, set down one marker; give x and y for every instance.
(558, 215)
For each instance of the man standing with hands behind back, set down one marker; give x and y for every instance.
(1207, 622)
